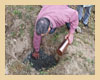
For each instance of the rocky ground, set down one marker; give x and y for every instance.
(79, 58)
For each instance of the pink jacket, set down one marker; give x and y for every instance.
(58, 16)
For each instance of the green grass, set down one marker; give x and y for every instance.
(75, 43)
(28, 16)
(18, 13)
(85, 41)
(92, 73)
(67, 58)
(13, 34)
(31, 64)
(89, 61)
(43, 72)
(29, 8)
(92, 62)
(55, 36)
(22, 25)
(28, 67)
(63, 30)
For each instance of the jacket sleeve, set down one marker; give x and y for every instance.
(74, 22)
(36, 42)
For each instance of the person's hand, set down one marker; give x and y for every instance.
(70, 37)
(35, 55)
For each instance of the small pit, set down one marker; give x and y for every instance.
(43, 63)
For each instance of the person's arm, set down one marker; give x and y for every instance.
(73, 26)
(36, 44)
(74, 23)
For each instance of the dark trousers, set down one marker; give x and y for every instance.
(53, 29)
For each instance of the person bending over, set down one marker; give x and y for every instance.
(50, 18)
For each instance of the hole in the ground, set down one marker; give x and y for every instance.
(43, 63)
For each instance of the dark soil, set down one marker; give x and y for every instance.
(43, 63)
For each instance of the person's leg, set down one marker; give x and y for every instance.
(78, 29)
(87, 15)
(80, 12)
(54, 29)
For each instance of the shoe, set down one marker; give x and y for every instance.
(80, 20)
(78, 30)
(86, 25)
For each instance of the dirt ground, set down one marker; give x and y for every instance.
(79, 58)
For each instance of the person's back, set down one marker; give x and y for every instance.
(58, 14)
